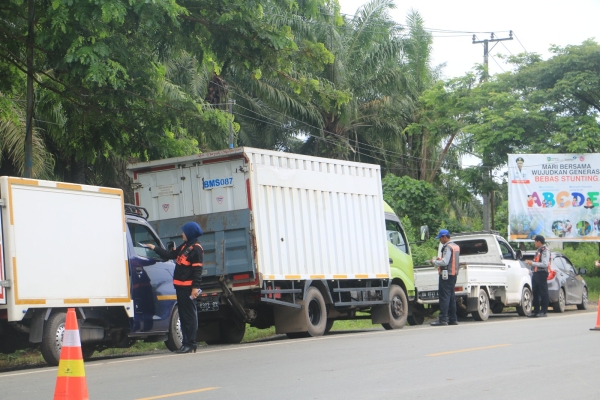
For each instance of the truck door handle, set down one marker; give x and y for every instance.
(139, 270)
(391, 261)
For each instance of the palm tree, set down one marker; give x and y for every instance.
(12, 141)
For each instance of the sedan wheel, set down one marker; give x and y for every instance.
(559, 306)
(584, 300)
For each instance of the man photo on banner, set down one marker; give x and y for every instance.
(519, 175)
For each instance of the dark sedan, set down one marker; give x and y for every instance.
(565, 283)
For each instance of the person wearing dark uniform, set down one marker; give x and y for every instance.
(448, 270)
(539, 278)
(186, 279)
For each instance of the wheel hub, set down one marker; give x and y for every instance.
(59, 337)
(397, 307)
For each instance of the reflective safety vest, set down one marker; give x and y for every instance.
(538, 258)
(181, 277)
(453, 265)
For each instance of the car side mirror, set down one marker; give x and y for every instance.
(519, 255)
(171, 245)
(424, 232)
(582, 271)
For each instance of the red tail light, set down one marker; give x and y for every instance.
(551, 274)
(458, 288)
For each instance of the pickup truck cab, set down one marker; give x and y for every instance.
(491, 277)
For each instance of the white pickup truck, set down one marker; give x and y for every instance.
(491, 277)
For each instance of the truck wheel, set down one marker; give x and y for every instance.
(584, 300)
(174, 336)
(483, 307)
(315, 312)
(52, 337)
(526, 298)
(416, 319)
(559, 306)
(398, 308)
(329, 325)
(497, 308)
(232, 332)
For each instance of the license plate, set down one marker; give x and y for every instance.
(208, 306)
(429, 295)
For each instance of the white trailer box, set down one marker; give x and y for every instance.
(63, 245)
(308, 217)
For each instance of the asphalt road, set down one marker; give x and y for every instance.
(503, 358)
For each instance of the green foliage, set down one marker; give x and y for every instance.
(417, 200)
(583, 255)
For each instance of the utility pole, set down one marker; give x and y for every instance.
(488, 198)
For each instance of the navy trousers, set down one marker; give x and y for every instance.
(188, 315)
(447, 298)
(539, 281)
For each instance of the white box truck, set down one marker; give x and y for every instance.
(65, 245)
(290, 240)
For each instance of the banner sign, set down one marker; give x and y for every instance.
(554, 195)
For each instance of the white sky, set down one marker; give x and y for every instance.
(537, 24)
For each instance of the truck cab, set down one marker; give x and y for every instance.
(401, 263)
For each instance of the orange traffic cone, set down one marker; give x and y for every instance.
(597, 328)
(70, 383)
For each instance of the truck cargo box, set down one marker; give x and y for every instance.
(285, 216)
(64, 245)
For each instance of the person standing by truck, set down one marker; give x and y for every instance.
(448, 270)
(539, 278)
(186, 279)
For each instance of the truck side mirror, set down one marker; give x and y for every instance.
(171, 245)
(424, 232)
(582, 271)
(519, 255)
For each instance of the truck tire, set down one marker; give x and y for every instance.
(54, 328)
(415, 319)
(315, 312)
(559, 306)
(398, 308)
(483, 307)
(584, 300)
(232, 332)
(526, 303)
(174, 336)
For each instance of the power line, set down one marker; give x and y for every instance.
(520, 43)
(499, 66)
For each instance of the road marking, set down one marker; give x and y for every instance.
(164, 396)
(466, 350)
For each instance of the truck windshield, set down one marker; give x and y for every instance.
(471, 247)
